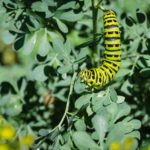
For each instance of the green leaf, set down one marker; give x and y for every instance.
(43, 132)
(11, 4)
(121, 130)
(10, 105)
(136, 124)
(87, 4)
(112, 109)
(120, 99)
(98, 101)
(58, 45)
(95, 136)
(89, 110)
(83, 141)
(145, 72)
(29, 44)
(42, 43)
(135, 134)
(7, 37)
(83, 53)
(126, 63)
(107, 98)
(65, 68)
(135, 43)
(101, 126)
(53, 35)
(17, 71)
(41, 7)
(64, 82)
(65, 147)
(82, 101)
(4, 100)
(127, 87)
(113, 94)
(61, 95)
(59, 48)
(67, 5)
(68, 46)
(35, 25)
(23, 88)
(50, 2)
(69, 16)
(80, 125)
(79, 87)
(123, 110)
(38, 73)
(61, 25)
(123, 72)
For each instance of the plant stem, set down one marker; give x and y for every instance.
(134, 65)
(94, 14)
(64, 115)
(68, 100)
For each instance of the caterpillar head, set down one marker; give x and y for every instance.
(86, 77)
(82, 75)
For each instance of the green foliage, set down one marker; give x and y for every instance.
(40, 89)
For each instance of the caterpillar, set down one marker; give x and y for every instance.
(96, 78)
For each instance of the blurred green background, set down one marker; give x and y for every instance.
(40, 52)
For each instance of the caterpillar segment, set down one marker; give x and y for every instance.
(97, 78)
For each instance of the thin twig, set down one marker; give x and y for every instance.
(134, 65)
(59, 126)
(68, 100)
(129, 56)
(94, 14)
(89, 43)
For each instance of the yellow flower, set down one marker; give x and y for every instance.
(8, 57)
(128, 143)
(27, 140)
(115, 146)
(7, 132)
(4, 147)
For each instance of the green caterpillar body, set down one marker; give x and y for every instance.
(95, 78)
